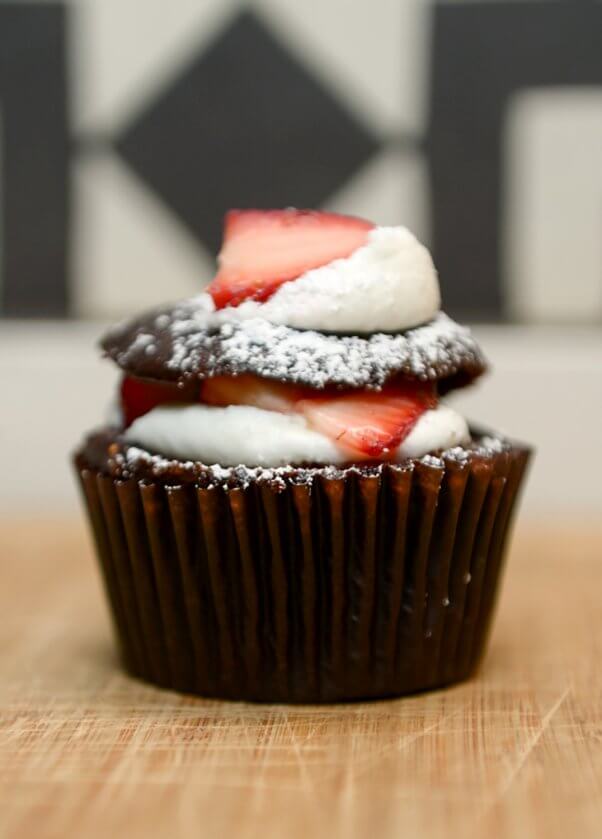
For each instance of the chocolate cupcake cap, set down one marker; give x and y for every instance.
(183, 343)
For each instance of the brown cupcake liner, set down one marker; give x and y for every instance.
(371, 583)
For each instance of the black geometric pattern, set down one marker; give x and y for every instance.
(244, 125)
(482, 54)
(35, 196)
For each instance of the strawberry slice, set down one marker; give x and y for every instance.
(138, 397)
(264, 248)
(368, 424)
(250, 390)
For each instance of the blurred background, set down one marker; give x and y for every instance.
(128, 127)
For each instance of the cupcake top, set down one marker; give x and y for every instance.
(320, 341)
(306, 297)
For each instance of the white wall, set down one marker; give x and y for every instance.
(545, 388)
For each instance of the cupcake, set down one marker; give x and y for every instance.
(284, 508)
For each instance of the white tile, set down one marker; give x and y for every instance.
(372, 54)
(545, 389)
(553, 211)
(129, 250)
(391, 189)
(55, 389)
(124, 50)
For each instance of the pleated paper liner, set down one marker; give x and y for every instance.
(375, 583)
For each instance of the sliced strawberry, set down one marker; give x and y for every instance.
(138, 397)
(368, 424)
(250, 390)
(264, 248)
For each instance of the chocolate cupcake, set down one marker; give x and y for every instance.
(283, 509)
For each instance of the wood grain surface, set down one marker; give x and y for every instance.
(86, 751)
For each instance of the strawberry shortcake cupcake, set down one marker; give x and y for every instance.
(283, 505)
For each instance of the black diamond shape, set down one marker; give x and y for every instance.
(244, 125)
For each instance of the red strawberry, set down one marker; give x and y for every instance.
(264, 248)
(368, 424)
(138, 397)
(250, 390)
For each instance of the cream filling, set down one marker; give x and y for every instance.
(240, 434)
(388, 284)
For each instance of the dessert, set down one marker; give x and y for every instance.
(283, 507)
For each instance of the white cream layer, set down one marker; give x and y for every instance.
(240, 434)
(388, 284)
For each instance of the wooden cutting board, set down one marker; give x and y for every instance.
(87, 752)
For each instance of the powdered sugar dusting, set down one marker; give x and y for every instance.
(131, 461)
(191, 343)
(316, 359)
(432, 460)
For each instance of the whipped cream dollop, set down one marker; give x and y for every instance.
(240, 434)
(387, 285)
